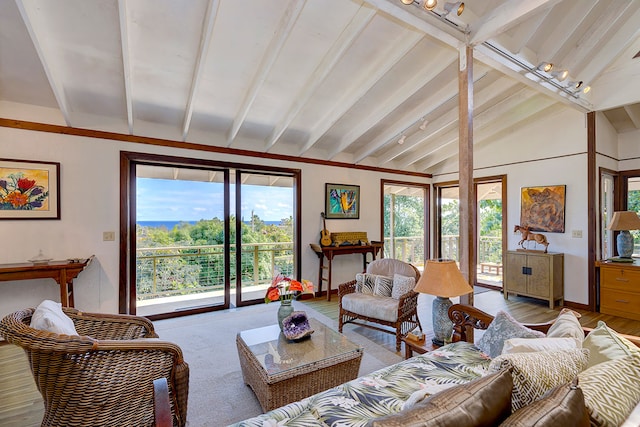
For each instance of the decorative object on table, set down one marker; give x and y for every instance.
(623, 221)
(296, 326)
(286, 290)
(342, 201)
(325, 237)
(416, 335)
(29, 189)
(40, 259)
(542, 208)
(527, 236)
(443, 279)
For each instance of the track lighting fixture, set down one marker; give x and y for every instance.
(406, 1)
(545, 66)
(429, 4)
(402, 139)
(575, 86)
(586, 90)
(423, 125)
(560, 75)
(458, 6)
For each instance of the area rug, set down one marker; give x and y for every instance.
(217, 394)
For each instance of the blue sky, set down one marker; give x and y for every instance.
(176, 200)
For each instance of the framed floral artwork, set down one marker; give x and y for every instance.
(342, 201)
(29, 189)
(542, 208)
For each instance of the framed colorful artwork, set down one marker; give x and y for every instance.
(542, 208)
(342, 201)
(29, 189)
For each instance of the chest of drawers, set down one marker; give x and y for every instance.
(620, 289)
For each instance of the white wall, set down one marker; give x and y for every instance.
(549, 151)
(90, 190)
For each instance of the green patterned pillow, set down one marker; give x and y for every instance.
(536, 373)
(605, 344)
(611, 390)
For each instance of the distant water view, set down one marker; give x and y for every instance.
(170, 224)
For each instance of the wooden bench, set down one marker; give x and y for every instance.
(490, 267)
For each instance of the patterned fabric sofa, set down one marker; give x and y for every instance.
(460, 385)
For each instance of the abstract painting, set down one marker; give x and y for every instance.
(542, 208)
(342, 201)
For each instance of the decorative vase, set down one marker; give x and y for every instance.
(284, 311)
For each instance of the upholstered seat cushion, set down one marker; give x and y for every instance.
(383, 308)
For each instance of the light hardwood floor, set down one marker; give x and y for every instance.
(21, 404)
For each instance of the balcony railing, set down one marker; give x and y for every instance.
(489, 248)
(181, 270)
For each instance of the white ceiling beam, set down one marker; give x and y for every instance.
(352, 31)
(126, 63)
(29, 12)
(624, 36)
(604, 28)
(497, 112)
(440, 61)
(491, 123)
(201, 60)
(523, 33)
(568, 23)
(284, 29)
(447, 124)
(372, 75)
(506, 16)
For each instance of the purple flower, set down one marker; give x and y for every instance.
(3, 184)
(36, 191)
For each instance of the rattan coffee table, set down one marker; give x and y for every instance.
(280, 371)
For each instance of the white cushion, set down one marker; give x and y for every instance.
(50, 317)
(567, 325)
(402, 285)
(382, 308)
(528, 345)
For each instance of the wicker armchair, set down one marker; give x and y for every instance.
(405, 316)
(105, 375)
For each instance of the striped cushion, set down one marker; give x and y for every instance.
(536, 373)
(365, 283)
(383, 286)
(611, 390)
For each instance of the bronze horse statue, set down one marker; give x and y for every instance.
(528, 235)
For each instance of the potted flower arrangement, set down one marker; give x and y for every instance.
(286, 290)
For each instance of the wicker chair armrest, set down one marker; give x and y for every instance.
(111, 326)
(140, 345)
(161, 403)
(407, 304)
(346, 288)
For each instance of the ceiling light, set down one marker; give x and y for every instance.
(406, 1)
(429, 4)
(402, 139)
(423, 126)
(545, 66)
(560, 75)
(586, 90)
(458, 6)
(575, 85)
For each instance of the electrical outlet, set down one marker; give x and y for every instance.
(109, 236)
(577, 234)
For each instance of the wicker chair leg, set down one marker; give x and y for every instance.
(340, 322)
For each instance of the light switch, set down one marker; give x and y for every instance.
(109, 236)
(576, 234)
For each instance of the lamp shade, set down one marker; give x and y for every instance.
(624, 220)
(442, 279)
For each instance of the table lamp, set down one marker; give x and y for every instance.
(623, 221)
(443, 279)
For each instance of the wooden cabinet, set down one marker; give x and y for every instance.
(535, 274)
(620, 289)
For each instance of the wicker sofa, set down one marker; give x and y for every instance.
(104, 375)
(445, 387)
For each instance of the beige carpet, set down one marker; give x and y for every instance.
(217, 394)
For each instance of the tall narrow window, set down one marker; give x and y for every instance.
(405, 221)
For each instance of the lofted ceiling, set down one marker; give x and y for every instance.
(332, 80)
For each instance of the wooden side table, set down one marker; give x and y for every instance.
(411, 346)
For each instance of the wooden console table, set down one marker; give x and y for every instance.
(331, 251)
(63, 272)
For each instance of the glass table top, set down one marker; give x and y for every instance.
(277, 355)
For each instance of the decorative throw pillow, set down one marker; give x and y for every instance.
(402, 285)
(567, 325)
(501, 329)
(528, 345)
(485, 401)
(536, 373)
(365, 283)
(605, 344)
(611, 390)
(49, 316)
(559, 407)
(383, 286)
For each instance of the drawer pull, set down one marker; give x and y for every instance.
(624, 301)
(620, 279)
